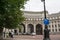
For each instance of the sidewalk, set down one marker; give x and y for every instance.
(37, 37)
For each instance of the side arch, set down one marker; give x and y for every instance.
(22, 27)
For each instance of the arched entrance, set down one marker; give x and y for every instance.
(22, 28)
(30, 28)
(39, 29)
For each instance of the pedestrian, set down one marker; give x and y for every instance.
(12, 34)
(9, 34)
(4, 34)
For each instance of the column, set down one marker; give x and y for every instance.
(54, 26)
(51, 26)
(43, 26)
(34, 28)
(57, 27)
(26, 28)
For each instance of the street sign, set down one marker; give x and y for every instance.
(46, 21)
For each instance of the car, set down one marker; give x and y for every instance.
(33, 34)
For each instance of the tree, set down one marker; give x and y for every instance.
(10, 13)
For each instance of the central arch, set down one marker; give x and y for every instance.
(39, 29)
(30, 28)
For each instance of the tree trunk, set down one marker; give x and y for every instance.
(1, 33)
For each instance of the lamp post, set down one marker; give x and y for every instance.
(46, 31)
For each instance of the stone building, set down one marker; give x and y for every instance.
(34, 23)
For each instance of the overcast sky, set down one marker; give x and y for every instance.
(52, 6)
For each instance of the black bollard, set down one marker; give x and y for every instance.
(46, 34)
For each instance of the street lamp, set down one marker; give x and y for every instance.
(46, 31)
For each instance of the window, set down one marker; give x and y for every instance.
(53, 30)
(55, 25)
(52, 22)
(58, 25)
(49, 26)
(59, 29)
(58, 21)
(55, 21)
(52, 26)
(56, 30)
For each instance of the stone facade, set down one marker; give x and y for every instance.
(34, 23)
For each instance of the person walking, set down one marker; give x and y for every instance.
(11, 34)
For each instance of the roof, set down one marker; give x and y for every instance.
(54, 15)
(34, 12)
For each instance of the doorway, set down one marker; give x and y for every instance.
(39, 29)
(30, 28)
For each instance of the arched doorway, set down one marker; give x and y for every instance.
(30, 28)
(39, 29)
(22, 28)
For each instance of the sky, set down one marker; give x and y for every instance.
(52, 6)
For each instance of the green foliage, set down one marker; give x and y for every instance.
(10, 13)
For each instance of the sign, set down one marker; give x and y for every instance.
(46, 21)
